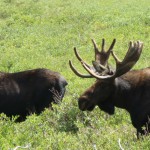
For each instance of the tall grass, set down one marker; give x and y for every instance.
(42, 34)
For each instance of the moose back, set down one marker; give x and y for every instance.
(31, 91)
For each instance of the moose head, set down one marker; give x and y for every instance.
(100, 92)
(120, 87)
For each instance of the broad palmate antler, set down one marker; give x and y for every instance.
(101, 69)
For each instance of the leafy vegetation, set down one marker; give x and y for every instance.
(42, 34)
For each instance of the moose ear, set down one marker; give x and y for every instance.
(107, 107)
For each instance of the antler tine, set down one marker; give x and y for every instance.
(115, 57)
(79, 58)
(95, 46)
(134, 48)
(78, 73)
(130, 59)
(111, 46)
(103, 44)
(77, 54)
(97, 53)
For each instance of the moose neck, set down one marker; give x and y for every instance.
(122, 93)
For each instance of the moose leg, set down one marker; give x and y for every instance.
(137, 124)
(140, 132)
(144, 129)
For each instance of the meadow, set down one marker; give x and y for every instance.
(42, 34)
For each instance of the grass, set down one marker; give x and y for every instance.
(42, 34)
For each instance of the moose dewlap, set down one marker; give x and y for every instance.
(121, 87)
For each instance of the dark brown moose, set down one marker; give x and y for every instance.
(31, 91)
(122, 88)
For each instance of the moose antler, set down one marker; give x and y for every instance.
(132, 56)
(73, 68)
(101, 58)
(128, 62)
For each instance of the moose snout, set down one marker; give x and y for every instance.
(84, 104)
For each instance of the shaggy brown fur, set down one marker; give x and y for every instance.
(30, 91)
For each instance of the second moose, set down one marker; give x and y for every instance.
(117, 88)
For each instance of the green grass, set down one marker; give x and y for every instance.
(42, 33)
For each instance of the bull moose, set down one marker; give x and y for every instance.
(26, 92)
(129, 90)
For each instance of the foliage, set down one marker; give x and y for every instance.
(42, 34)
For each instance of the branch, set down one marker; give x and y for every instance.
(120, 144)
(24, 147)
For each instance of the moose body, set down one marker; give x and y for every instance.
(118, 88)
(130, 92)
(31, 91)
